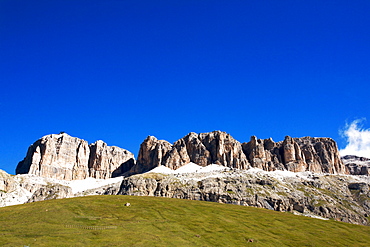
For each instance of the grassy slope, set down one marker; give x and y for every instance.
(153, 221)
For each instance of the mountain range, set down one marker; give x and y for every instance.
(299, 175)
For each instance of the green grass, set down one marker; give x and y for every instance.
(154, 221)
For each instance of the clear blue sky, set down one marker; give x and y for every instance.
(122, 70)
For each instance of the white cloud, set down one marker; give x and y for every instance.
(358, 140)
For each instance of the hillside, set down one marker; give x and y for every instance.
(153, 221)
(341, 197)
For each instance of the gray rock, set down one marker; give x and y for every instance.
(51, 191)
(318, 155)
(357, 165)
(108, 161)
(334, 196)
(57, 156)
(203, 149)
(69, 158)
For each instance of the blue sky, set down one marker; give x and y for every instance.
(122, 70)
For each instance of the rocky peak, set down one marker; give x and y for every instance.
(224, 150)
(318, 155)
(203, 149)
(151, 154)
(62, 156)
(57, 156)
(263, 154)
(108, 161)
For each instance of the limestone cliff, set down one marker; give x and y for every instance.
(318, 155)
(62, 156)
(57, 156)
(108, 161)
(151, 154)
(203, 149)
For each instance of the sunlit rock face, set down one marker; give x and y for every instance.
(203, 149)
(62, 156)
(108, 161)
(151, 154)
(57, 156)
(318, 155)
(321, 155)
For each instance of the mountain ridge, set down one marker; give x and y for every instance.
(299, 175)
(65, 157)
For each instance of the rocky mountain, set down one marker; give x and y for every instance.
(300, 175)
(318, 155)
(357, 165)
(62, 156)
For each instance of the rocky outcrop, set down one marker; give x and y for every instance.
(264, 154)
(151, 154)
(49, 192)
(203, 149)
(357, 165)
(6, 182)
(64, 157)
(342, 198)
(318, 155)
(108, 161)
(57, 156)
(69, 158)
(19, 189)
(25, 188)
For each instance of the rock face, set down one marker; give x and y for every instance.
(108, 161)
(69, 158)
(357, 165)
(64, 157)
(57, 156)
(6, 181)
(151, 154)
(203, 149)
(318, 155)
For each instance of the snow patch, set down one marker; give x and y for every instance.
(279, 174)
(214, 168)
(161, 169)
(75, 185)
(89, 183)
(189, 168)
